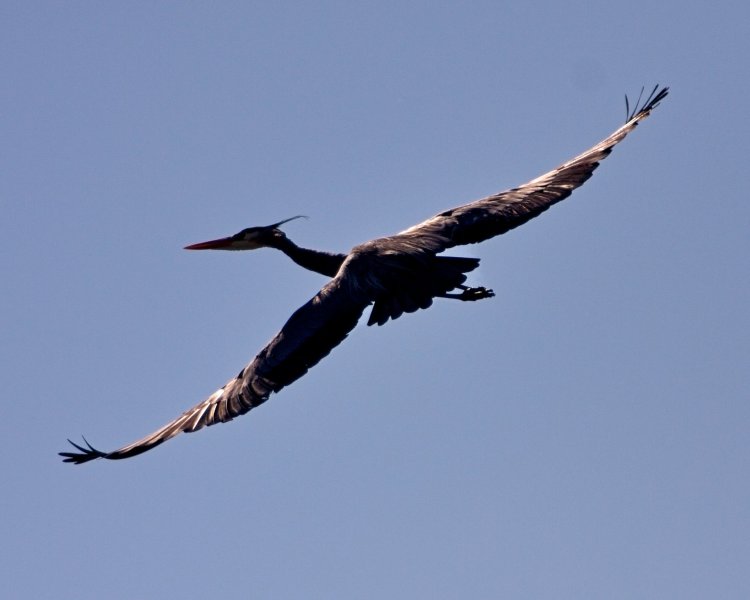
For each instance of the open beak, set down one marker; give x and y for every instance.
(220, 244)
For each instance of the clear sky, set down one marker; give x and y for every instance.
(582, 435)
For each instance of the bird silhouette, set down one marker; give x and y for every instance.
(397, 274)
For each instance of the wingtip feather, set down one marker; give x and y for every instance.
(650, 103)
(84, 455)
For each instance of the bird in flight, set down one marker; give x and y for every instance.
(396, 274)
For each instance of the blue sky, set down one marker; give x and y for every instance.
(582, 435)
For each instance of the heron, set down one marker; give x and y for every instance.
(398, 274)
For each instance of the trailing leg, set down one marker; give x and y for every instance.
(469, 294)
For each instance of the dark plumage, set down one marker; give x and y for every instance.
(396, 274)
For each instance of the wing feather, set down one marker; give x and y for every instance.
(307, 337)
(499, 213)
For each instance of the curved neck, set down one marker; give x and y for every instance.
(324, 263)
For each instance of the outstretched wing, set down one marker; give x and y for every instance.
(496, 214)
(307, 337)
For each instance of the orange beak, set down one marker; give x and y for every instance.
(220, 244)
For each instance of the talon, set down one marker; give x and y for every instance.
(477, 293)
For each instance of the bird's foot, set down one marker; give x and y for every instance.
(476, 293)
(470, 294)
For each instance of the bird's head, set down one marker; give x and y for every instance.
(251, 238)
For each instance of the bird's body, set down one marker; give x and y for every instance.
(395, 274)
